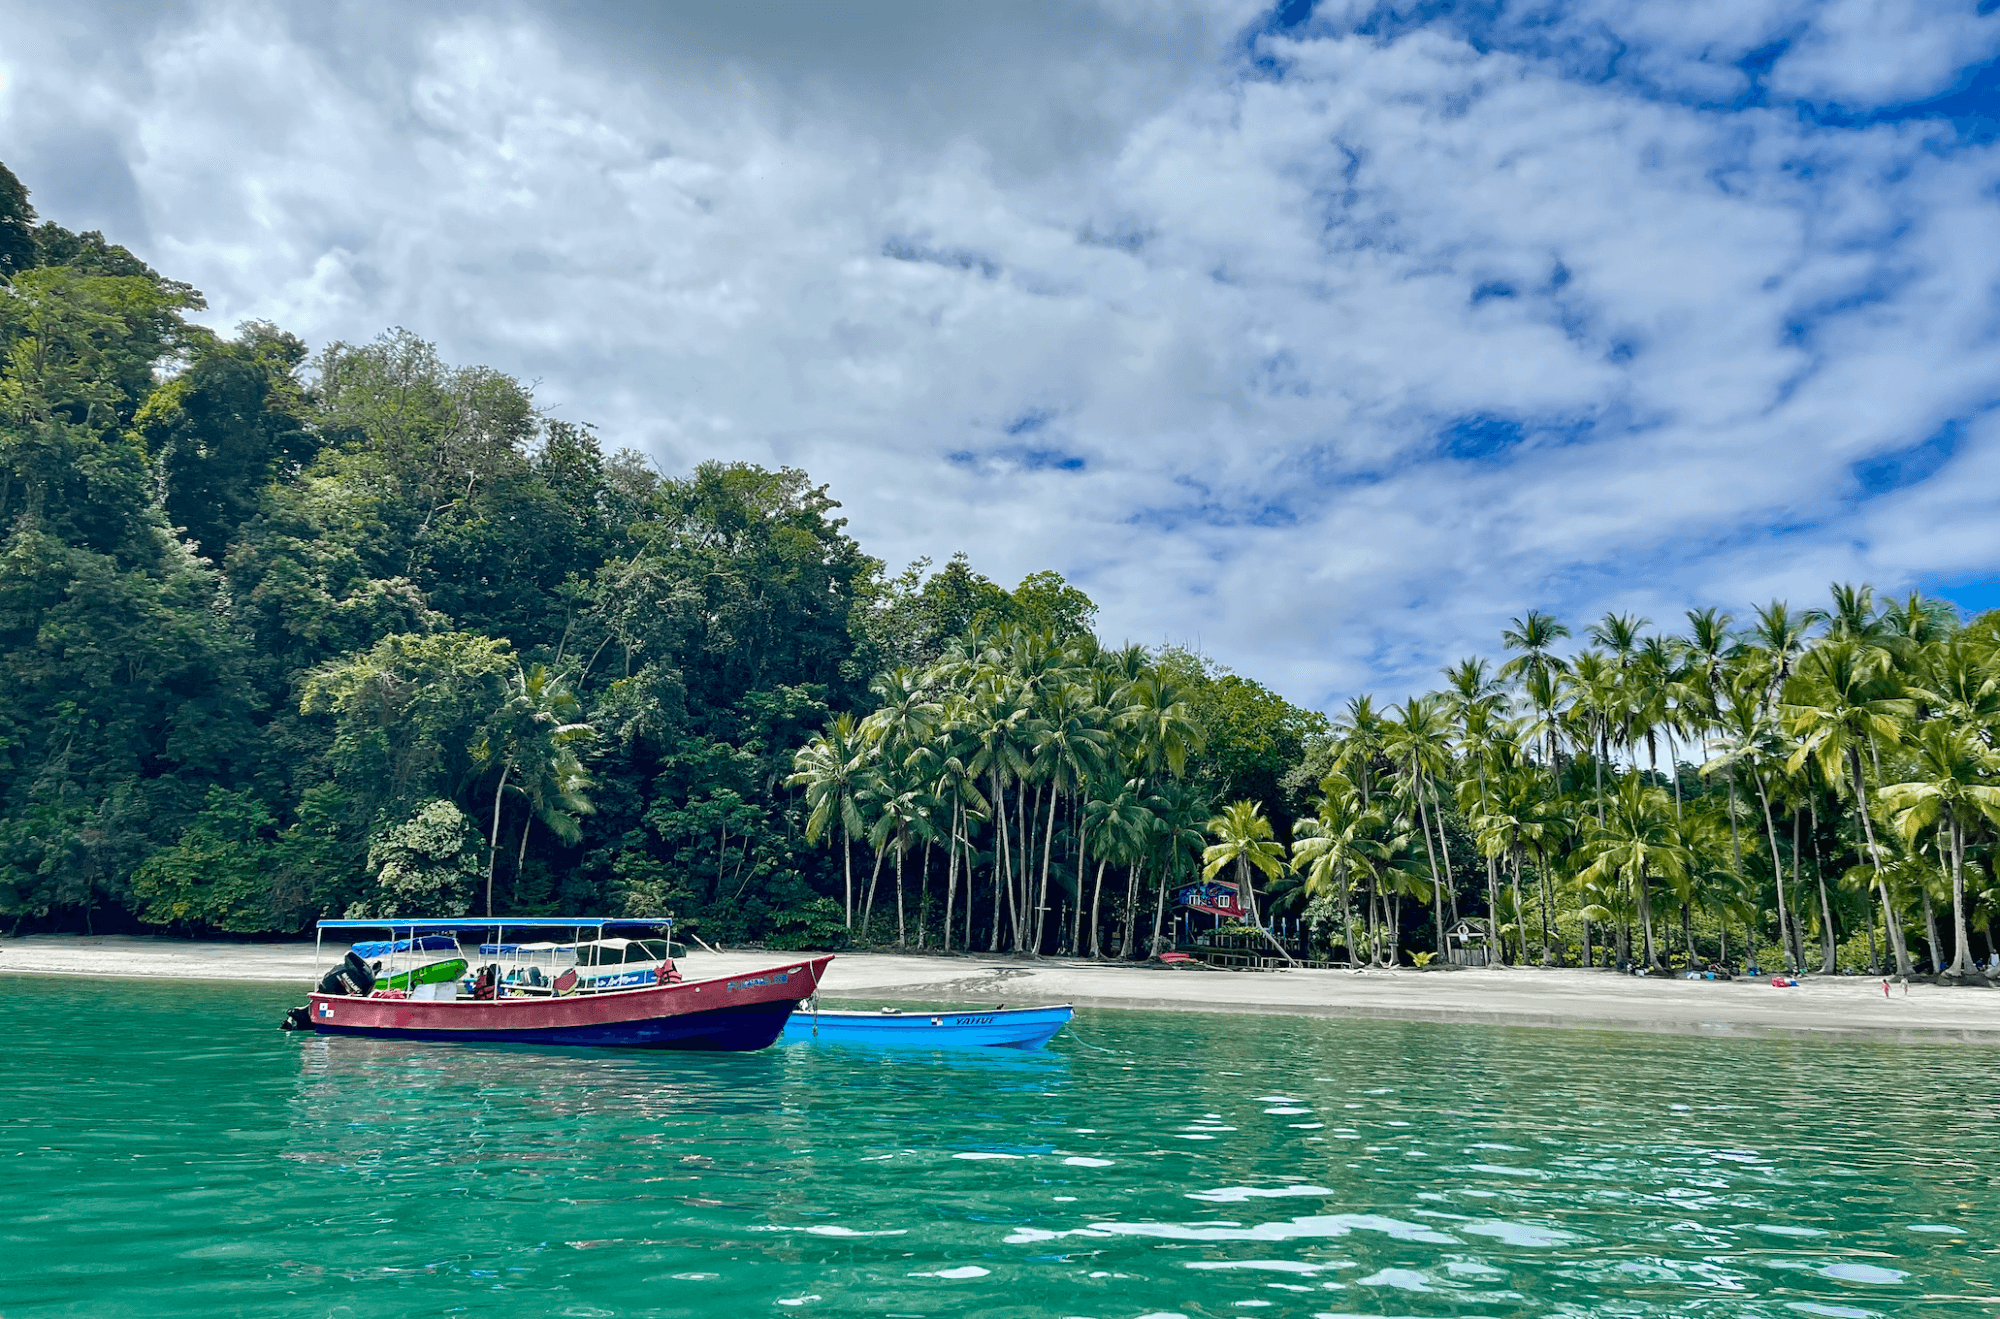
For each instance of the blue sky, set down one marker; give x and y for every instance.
(1326, 336)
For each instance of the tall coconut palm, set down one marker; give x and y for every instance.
(1071, 747)
(1536, 665)
(1843, 702)
(1639, 841)
(534, 736)
(1120, 823)
(1751, 745)
(1179, 808)
(1334, 844)
(1477, 704)
(835, 769)
(1245, 843)
(1415, 742)
(1951, 786)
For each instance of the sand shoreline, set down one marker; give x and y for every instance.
(1834, 1008)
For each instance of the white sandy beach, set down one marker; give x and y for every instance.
(1819, 1008)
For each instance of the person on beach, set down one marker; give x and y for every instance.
(1885, 989)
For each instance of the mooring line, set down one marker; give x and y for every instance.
(1071, 1030)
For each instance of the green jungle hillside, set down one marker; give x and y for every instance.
(288, 634)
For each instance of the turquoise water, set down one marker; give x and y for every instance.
(164, 1151)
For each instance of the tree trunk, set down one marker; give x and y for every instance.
(1961, 962)
(1798, 882)
(1048, 844)
(950, 876)
(493, 843)
(1159, 912)
(1082, 860)
(1874, 956)
(1893, 926)
(1131, 912)
(1096, 907)
(1930, 929)
(847, 871)
(868, 908)
(1374, 911)
(1024, 860)
(1549, 951)
(902, 936)
(1347, 916)
(1444, 849)
(924, 894)
(1646, 917)
(1002, 877)
(1437, 891)
(1520, 912)
(1777, 873)
(1076, 917)
(1828, 938)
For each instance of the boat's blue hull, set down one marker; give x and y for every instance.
(742, 1028)
(1002, 1028)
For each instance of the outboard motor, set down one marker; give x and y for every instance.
(358, 971)
(353, 978)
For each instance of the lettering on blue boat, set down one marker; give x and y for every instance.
(971, 1021)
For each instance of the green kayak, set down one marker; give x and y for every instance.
(437, 973)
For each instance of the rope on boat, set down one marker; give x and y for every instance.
(813, 970)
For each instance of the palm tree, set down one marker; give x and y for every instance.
(1245, 841)
(1161, 717)
(1537, 666)
(1179, 810)
(1477, 703)
(1119, 823)
(1951, 789)
(835, 769)
(1842, 703)
(1751, 743)
(534, 735)
(1070, 749)
(1335, 843)
(1415, 742)
(1638, 840)
(997, 754)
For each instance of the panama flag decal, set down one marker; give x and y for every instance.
(326, 1009)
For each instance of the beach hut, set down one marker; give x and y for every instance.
(1469, 942)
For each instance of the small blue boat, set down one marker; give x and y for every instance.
(990, 1028)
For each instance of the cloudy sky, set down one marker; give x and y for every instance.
(1326, 337)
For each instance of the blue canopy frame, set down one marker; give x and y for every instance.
(404, 933)
(444, 926)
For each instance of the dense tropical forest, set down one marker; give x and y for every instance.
(290, 634)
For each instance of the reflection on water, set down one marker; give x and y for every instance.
(168, 1153)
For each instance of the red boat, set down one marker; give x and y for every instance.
(596, 988)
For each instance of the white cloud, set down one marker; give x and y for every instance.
(935, 259)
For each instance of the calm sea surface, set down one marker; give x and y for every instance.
(164, 1151)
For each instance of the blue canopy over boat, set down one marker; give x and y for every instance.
(451, 925)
